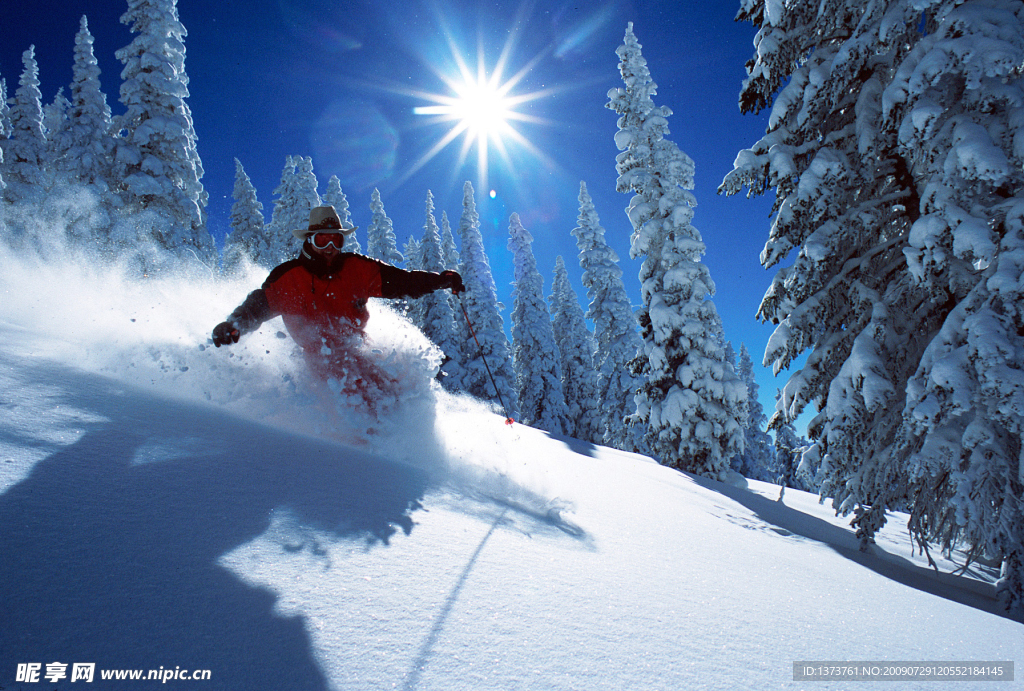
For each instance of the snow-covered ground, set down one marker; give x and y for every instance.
(170, 506)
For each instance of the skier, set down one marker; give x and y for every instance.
(322, 296)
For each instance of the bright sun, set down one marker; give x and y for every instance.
(481, 108)
(480, 105)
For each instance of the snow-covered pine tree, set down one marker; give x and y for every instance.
(25, 149)
(381, 240)
(5, 112)
(3, 203)
(730, 353)
(846, 198)
(248, 240)
(58, 135)
(576, 348)
(282, 217)
(618, 340)
(434, 313)
(788, 466)
(894, 147)
(692, 402)
(157, 161)
(295, 199)
(336, 198)
(449, 250)
(792, 466)
(92, 144)
(534, 351)
(957, 104)
(81, 150)
(413, 262)
(758, 458)
(305, 189)
(450, 255)
(5, 128)
(481, 304)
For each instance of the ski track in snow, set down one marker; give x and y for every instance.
(169, 503)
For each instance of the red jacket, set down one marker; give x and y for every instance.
(322, 302)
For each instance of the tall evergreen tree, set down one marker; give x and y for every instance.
(57, 127)
(969, 241)
(296, 196)
(413, 259)
(92, 144)
(248, 240)
(618, 340)
(434, 310)
(451, 260)
(157, 159)
(5, 112)
(305, 187)
(692, 402)
(25, 149)
(5, 129)
(789, 467)
(893, 145)
(792, 467)
(413, 262)
(576, 348)
(336, 198)
(534, 352)
(449, 250)
(3, 186)
(481, 304)
(381, 240)
(282, 217)
(758, 458)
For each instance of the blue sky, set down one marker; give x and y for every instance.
(342, 82)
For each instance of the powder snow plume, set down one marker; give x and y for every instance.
(153, 332)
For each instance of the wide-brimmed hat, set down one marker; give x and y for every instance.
(324, 219)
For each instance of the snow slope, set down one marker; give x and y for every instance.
(167, 504)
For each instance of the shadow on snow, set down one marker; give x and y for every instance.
(110, 545)
(844, 542)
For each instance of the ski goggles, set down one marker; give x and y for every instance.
(322, 241)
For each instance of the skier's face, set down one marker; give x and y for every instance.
(327, 245)
(327, 253)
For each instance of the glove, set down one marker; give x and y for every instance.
(454, 282)
(225, 333)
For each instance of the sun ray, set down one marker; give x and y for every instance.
(481, 104)
(433, 151)
(478, 105)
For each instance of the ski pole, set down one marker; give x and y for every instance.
(508, 418)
